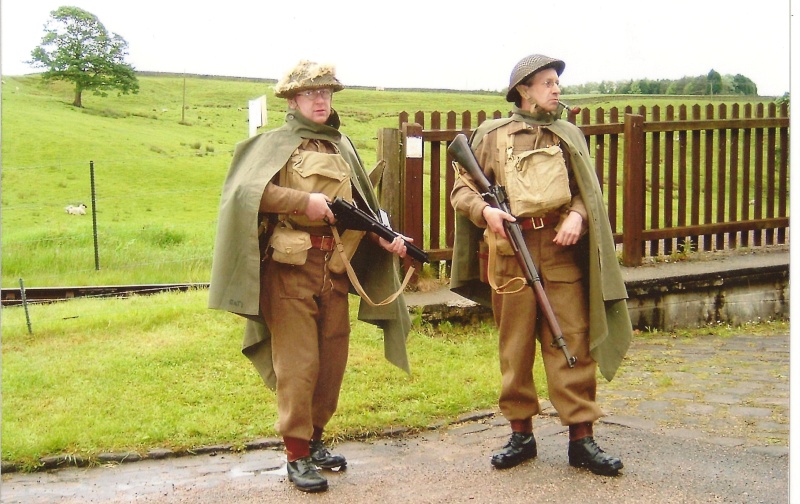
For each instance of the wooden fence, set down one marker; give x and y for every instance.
(680, 181)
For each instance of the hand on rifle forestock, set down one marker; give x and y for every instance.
(496, 219)
(396, 246)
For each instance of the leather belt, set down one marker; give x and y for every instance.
(326, 243)
(528, 223)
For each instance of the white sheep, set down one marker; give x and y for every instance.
(76, 210)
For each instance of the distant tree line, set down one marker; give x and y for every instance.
(711, 84)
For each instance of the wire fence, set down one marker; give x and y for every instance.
(142, 216)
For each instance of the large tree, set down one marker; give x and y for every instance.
(76, 47)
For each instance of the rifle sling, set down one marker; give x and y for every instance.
(354, 279)
(490, 268)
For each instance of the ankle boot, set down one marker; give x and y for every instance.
(305, 475)
(521, 447)
(585, 453)
(323, 458)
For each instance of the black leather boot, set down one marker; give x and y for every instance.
(521, 447)
(305, 475)
(585, 453)
(323, 458)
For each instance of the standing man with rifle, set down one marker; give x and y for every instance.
(277, 262)
(536, 185)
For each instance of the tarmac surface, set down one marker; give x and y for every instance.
(695, 420)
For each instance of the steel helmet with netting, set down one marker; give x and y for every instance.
(307, 75)
(526, 67)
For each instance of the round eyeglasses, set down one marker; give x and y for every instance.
(312, 94)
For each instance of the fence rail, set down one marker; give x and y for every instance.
(695, 179)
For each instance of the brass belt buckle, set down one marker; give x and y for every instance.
(538, 222)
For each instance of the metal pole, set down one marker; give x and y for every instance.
(183, 104)
(25, 305)
(94, 218)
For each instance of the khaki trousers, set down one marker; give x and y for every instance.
(306, 310)
(572, 390)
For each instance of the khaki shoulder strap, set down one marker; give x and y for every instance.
(502, 140)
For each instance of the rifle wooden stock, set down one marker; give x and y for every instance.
(496, 196)
(352, 217)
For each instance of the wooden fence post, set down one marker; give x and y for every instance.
(412, 183)
(633, 212)
(390, 190)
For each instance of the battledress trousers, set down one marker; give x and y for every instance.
(306, 310)
(572, 390)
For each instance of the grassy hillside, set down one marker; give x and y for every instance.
(158, 169)
(158, 172)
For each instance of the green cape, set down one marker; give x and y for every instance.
(610, 329)
(235, 269)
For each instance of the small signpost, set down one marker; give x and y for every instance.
(257, 115)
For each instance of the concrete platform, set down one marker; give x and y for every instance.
(706, 288)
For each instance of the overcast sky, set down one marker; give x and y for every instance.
(433, 44)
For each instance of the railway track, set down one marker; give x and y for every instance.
(16, 296)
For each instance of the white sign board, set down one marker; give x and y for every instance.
(257, 113)
(414, 147)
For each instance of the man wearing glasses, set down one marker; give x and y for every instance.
(543, 163)
(276, 263)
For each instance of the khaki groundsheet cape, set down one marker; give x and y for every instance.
(610, 327)
(235, 271)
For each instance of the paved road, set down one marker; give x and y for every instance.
(695, 421)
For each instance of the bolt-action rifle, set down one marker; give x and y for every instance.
(496, 196)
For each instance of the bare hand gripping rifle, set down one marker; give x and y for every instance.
(350, 216)
(496, 196)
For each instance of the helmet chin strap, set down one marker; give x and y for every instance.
(523, 92)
